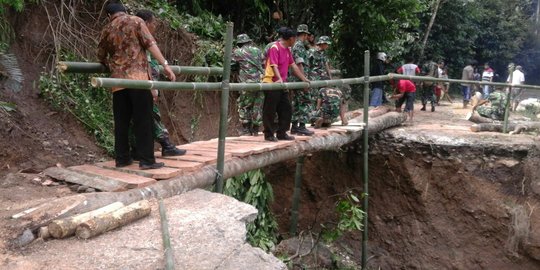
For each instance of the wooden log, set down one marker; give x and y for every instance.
(66, 227)
(477, 118)
(43, 233)
(112, 220)
(514, 127)
(72, 205)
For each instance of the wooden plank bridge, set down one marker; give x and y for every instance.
(104, 176)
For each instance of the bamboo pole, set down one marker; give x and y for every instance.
(366, 162)
(224, 114)
(169, 255)
(508, 101)
(90, 67)
(296, 194)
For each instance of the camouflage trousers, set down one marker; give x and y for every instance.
(490, 112)
(250, 107)
(160, 131)
(302, 105)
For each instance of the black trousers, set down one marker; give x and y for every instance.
(276, 102)
(133, 105)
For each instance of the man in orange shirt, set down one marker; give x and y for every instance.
(122, 47)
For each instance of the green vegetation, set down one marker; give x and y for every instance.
(350, 217)
(91, 106)
(251, 188)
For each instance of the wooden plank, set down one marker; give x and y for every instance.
(86, 180)
(130, 180)
(158, 174)
(209, 159)
(186, 166)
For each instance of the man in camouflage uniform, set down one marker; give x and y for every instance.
(330, 105)
(318, 63)
(250, 59)
(430, 69)
(495, 111)
(302, 102)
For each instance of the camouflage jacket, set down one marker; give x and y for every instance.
(122, 47)
(498, 101)
(317, 63)
(300, 55)
(331, 100)
(249, 58)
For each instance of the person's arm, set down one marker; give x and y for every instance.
(276, 73)
(328, 70)
(342, 111)
(319, 103)
(480, 103)
(154, 50)
(298, 73)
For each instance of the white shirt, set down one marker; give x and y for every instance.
(517, 77)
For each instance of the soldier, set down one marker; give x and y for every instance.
(249, 59)
(430, 70)
(161, 134)
(302, 101)
(330, 105)
(495, 109)
(318, 62)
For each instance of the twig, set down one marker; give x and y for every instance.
(169, 256)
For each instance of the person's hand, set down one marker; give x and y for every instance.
(279, 80)
(344, 122)
(169, 73)
(154, 94)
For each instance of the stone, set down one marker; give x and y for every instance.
(510, 163)
(316, 253)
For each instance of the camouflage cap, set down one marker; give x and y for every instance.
(302, 28)
(242, 38)
(324, 40)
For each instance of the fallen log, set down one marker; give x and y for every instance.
(112, 220)
(81, 203)
(66, 227)
(477, 118)
(357, 115)
(514, 127)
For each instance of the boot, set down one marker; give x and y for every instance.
(254, 131)
(168, 149)
(465, 104)
(423, 107)
(302, 130)
(294, 128)
(432, 107)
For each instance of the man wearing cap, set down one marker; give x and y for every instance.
(249, 59)
(302, 102)
(377, 93)
(278, 61)
(318, 62)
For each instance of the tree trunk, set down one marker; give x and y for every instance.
(436, 5)
(72, 205)
(66, 227)
(514, 128)
(112, 220)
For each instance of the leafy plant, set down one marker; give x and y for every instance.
(74, 94)
(7, 107)
(350, 217)
(251, 188)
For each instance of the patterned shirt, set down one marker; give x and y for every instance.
(331, 100)
(249, 58)
(300, 55)
(122, 47)
(317, 63)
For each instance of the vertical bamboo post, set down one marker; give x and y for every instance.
(169, 255)
(508, 97)
(366, 163)
(224, 113)
(296, 194)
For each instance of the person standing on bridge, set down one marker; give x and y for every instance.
(122, 47)
(278, 61)
(249, 59)
(302, 100)
(378, 69)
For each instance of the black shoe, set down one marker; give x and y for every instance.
(271, 138)
(432, 108)
(254, 130)
(120, 164)
(304, 131)
(294, 128)
(155, 165)
(423, 108)
(171, 152)
(285, 137)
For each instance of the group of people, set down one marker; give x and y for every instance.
(488, 102)
(292, 58)
(128, 48)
